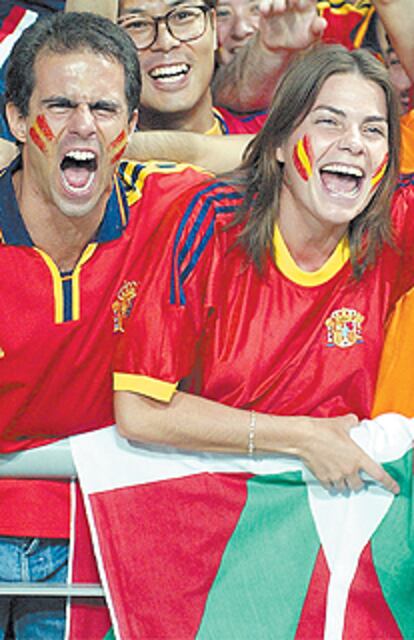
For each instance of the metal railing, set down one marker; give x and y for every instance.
(53, 461)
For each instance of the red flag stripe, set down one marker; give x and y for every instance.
(11, 21)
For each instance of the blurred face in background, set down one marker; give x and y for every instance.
(237, 21)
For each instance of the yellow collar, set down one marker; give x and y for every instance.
(290, 269)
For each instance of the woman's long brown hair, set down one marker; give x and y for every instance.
(260, 174)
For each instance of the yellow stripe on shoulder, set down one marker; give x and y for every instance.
(156, 389)
(343, 8)
(134, 174)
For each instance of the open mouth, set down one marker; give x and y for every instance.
(170, 73)
(342, 180)
(78, 169)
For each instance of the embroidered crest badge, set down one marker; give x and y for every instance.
(344, 328)
(123, 304)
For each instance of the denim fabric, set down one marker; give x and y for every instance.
(33, 560)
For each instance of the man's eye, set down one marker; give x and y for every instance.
(59, 108)
(223, 13)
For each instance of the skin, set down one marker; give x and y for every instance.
(237, 21)
(83, 113)
(314, 218)
(185, 103)
(248, 82)
(310, 216)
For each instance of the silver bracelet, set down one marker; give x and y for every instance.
(251, 447)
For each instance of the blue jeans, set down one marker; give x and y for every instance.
(33, 560)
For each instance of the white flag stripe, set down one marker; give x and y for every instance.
(7, 44)
(108, 461)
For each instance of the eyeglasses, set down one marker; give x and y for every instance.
(184, 23)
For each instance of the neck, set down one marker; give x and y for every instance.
(62, 237)
(199, 119)
(310, 243)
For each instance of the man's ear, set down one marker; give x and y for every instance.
(132, 124)
(17, 122)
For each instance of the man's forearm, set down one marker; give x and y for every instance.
(214, 153)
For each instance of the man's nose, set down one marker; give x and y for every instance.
(82, 121)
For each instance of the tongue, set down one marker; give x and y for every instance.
(339, 183)
(77, 177)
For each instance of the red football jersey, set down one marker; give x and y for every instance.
(57, 337)
(231, 123)
(348, 24)
(286, 342)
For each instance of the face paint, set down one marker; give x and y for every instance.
(302, 158)
(41, 133)
(380, 172)
(117, 147)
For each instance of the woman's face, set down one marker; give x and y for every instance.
(335, 159)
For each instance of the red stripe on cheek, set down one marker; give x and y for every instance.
(382, 165)
(44, 127)
(121, 138)
(118, 155)
(40, 144)
(308, 148)
(298, 165)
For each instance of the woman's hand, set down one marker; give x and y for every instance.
(334, 458)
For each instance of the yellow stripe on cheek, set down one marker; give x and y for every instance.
(304, 158)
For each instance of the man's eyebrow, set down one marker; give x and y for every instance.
(171, 5)
(60, 101)
(339, 112)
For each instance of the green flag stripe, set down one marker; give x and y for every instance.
(241, 605)
(393, 548)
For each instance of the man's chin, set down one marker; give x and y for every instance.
(76, 208)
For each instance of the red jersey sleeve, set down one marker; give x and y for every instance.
(175, 301)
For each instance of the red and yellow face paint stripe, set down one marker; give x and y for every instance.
(41, 133)
(302, 158)
(380, 172)
(117, 147)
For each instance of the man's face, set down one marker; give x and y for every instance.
(76, 129)
(176, 75)
(237, 21)
(400, 80)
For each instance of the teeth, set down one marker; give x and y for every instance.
(80, 155)
(344, 169)
(171, 70)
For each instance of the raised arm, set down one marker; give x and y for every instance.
(247, 83)
(398, 19)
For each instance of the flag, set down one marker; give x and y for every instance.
(208, 546)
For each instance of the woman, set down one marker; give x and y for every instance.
(273, 288)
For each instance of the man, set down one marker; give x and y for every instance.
(176, 43)
(70, 226)
(237, 21)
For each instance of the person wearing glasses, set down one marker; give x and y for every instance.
(176, 44)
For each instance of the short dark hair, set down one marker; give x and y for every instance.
(64, 33)
(261, 174)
